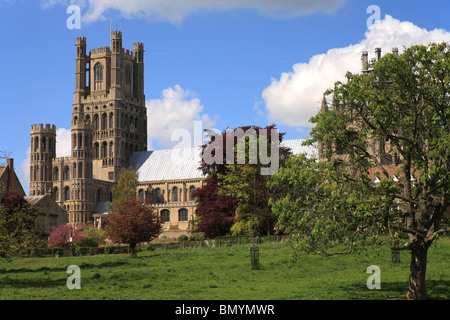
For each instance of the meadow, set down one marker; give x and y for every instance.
(221, 273)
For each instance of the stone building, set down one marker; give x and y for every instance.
(109, 134)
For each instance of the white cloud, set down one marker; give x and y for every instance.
(297, 95)
(175, 11)
(177, 109)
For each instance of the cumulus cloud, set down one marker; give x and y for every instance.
(175, 112)
(297, 95)
(175, 11)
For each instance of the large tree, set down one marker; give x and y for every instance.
(237, 180)
(132, 222)
(402, 103)
(125, 188)
(17, 226)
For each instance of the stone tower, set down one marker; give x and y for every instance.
(43, 151)
(109, 93)
(109, 123)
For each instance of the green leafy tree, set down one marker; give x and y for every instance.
(403, 103)
(125, 187)
(17, 226)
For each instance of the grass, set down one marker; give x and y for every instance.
(221, 273)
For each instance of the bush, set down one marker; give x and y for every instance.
(198, 236)
(183, 237)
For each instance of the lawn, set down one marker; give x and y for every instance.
(221, 273)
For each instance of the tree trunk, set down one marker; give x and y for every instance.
(417, 286)
(133, 250)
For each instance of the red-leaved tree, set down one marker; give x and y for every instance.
(132, 222)
(59, 237)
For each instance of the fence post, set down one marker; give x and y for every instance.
(254, 258)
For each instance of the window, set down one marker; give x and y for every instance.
(56, 194)
(96, 150)
(191, 191)
(158, 195)
(165, 215)
(66, 173)
(183, 215)
(141, 195)
(67, 193)
(56, 174)
(175, 194)
(96, 122)
(98, 76)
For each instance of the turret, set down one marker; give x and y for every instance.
(80, 69)
(43, 151)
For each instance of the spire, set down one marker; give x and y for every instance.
(324, 106)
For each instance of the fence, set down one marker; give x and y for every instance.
(218, 242)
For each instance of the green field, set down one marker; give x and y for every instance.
(221, 273)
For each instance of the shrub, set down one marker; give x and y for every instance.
(199, 236)
(183, 237)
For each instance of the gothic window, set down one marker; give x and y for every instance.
(111, 148)
(158, 195)
(67, 173)
(141, 195)
(36, 144)
(104, 121)
(56, 194)
(66, 193)
(165, 215)
(56, 174)
(191, 191)
(175, 194)
(98, 76)
(96, 122)
(80, 170)
(104, 149)
(183, 215)
(111, 120)
(96, 150)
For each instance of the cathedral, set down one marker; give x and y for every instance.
(109, 134)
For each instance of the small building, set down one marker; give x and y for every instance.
(50, 214)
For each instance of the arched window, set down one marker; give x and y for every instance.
(80, 170)
(56, 194)
(165, 215)
(141, 195)
(158, 195)
(191, 191)
(111, 120)
(67, 173)
(96, 150)
(182, 214)
(66, 193)
(96, 122)
(56, 174)
(175, 194)
(104, 121)
(98, 76)
(111, 148)
(104, 149)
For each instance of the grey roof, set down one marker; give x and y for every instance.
(183, 164)
(297, 148)
(100, 207)
(170, 164)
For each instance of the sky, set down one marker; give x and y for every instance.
(226, 63)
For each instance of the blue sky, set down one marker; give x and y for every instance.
(227, 63)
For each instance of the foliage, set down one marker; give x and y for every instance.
(237, 188)
(183, 237)
(125, 187)
(132, 222)
(17, 226)
(87, 236)
(198, 236)
(402, 103)
(59, 236)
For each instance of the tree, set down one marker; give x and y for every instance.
(17, 226)
(59, 236)
(87, 236)
(132, 222)
(125, 187)
(403, 106)
(236, 182)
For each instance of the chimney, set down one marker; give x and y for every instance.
(10, 166)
